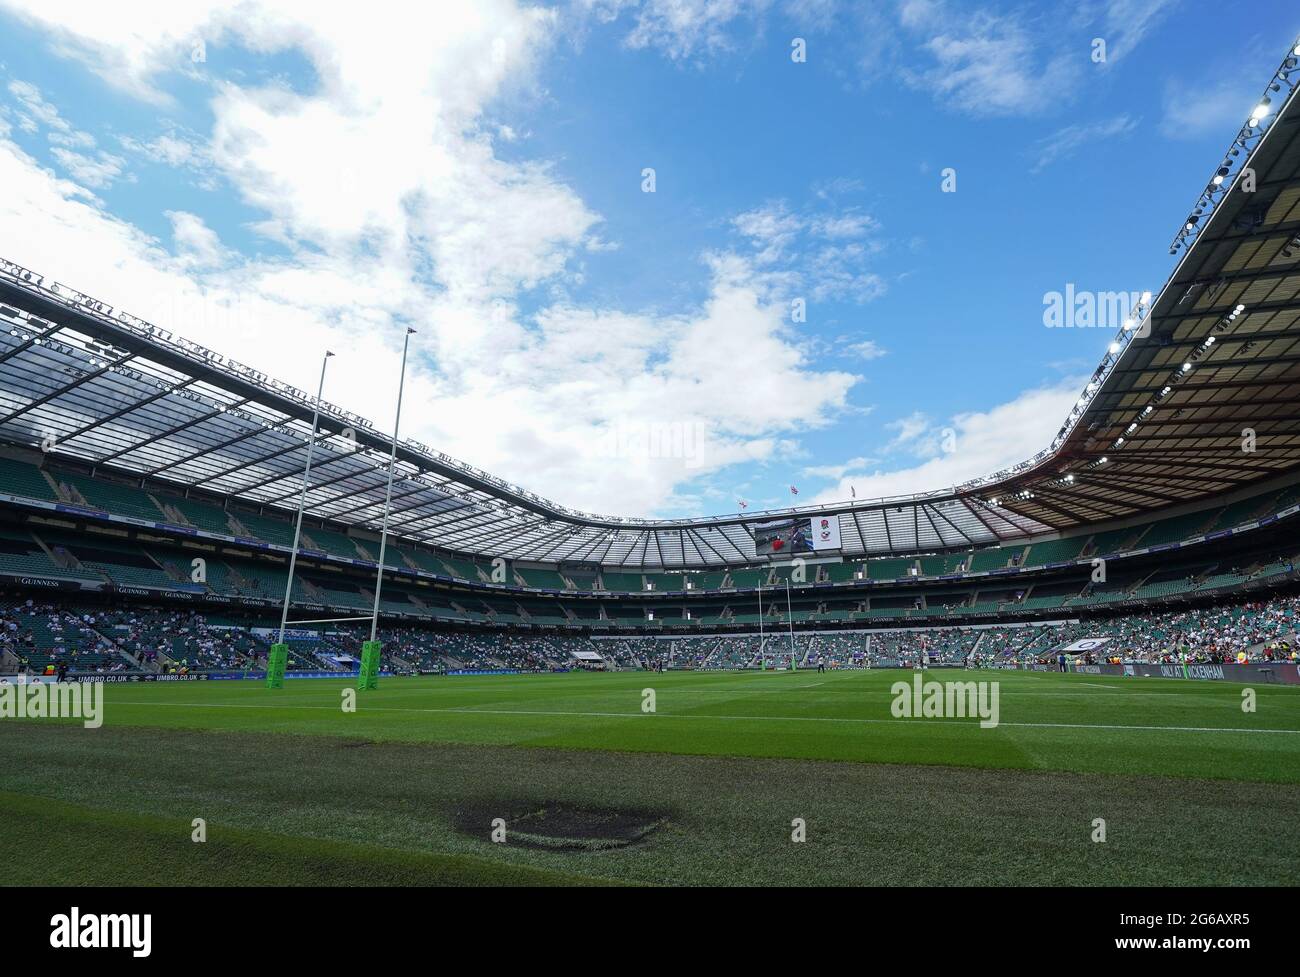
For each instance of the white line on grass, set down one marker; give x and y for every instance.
(637, 715)
(1200, 693)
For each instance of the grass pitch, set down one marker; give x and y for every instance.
(294, 790)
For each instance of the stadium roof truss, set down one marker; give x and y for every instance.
(1163, 422)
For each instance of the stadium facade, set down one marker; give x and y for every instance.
(138, 466)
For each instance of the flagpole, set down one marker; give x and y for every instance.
(388, 493)
(302, 496)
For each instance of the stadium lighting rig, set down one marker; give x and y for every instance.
(1281, 88)
(1231, 317)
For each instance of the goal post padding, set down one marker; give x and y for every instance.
(276, 662)
(368, 677)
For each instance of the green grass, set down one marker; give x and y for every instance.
(97, 847)
(294, 790)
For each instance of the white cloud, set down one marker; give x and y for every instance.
(680, 29)
(867, 349)
(837, 272)
(74, 139)
(1217, 108)
(35, 105)
(1125, 23)
(36, 112)
(913, 433)
(384, 190)
(838, 471)
(129, 49)
(170, 149)
(70, 146)
(772, 229)
(98, 172)
(814, 251)
(197, 245)
(984, 442)
(840, 186)
(986, 63)
(1065, 142)
(849, 224)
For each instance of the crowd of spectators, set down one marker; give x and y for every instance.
(35, 634)
(39, 635)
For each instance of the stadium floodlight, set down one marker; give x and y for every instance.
(368, 677)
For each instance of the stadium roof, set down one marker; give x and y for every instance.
(1163, 422)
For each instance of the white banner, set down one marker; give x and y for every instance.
(1085, 644)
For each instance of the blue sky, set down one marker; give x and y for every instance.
(277, 179)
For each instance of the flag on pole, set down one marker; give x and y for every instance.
(793, 490)
(742, 503)
(853, 492)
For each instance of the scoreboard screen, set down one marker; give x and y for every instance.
(795, 535)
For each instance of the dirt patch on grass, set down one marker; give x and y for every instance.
(556, 825)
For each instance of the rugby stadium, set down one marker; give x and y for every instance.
(564, 697)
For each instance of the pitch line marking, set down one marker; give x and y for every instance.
(784, 719)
